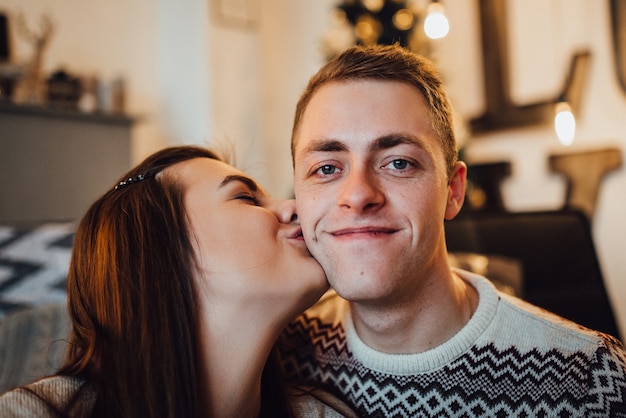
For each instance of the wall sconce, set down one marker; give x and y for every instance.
(436, 25)
(501, 112)
(564, 122)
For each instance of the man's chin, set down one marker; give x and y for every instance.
(356, 290)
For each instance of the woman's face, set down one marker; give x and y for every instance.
(249, 250)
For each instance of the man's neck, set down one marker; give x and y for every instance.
(420, 324)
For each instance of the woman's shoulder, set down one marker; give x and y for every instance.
(48, 397)
(313, 402)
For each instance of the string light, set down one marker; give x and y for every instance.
(403, 19)
(564, 123)
(436, 25)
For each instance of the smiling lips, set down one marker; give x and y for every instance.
(370, 230)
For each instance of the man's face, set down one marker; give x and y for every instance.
(372, 190)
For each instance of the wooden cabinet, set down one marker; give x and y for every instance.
(54, 163)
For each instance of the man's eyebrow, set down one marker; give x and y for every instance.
(252, 185)
(325, 145)
(381, 143)
(392, 140)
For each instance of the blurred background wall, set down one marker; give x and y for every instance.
(229, 72)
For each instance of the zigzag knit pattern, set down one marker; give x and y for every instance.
(587, 378)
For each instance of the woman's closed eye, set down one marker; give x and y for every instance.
(244, 188)
(248, 197)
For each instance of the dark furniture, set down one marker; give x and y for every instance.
(560, 267)
(54, 163)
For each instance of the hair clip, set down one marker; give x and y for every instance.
(132, 180)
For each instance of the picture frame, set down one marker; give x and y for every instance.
(618, 30)
(4, 38)
(237, 13)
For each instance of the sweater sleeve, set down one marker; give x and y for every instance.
(607, 380)
(49, 397)
(313, 402)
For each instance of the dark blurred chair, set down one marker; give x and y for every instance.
(559, 264)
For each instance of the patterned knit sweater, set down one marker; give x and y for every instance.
(510, 359)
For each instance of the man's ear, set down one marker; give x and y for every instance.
(456, 190)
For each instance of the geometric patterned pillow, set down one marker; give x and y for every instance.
(33, 265)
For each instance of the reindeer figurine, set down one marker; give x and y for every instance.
(31, 86)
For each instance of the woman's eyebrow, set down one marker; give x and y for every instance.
(252, 185)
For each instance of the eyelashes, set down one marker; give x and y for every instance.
(249, 198)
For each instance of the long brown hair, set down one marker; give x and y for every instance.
(131, 295)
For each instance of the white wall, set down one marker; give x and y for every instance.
(182, 89)
(194, 78)
(259, 72)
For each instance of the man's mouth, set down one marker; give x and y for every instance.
(370, 230)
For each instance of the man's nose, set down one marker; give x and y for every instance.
(361, 190)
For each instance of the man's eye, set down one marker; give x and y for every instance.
(399, 164)
(327, 170)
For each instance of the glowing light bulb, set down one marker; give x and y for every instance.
(436, 24)
(564, 123)
(403, 19)
(373, 6)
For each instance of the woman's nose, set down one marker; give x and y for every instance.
(285, 211)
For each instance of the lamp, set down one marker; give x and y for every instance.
(436, 25)
(564, 122)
